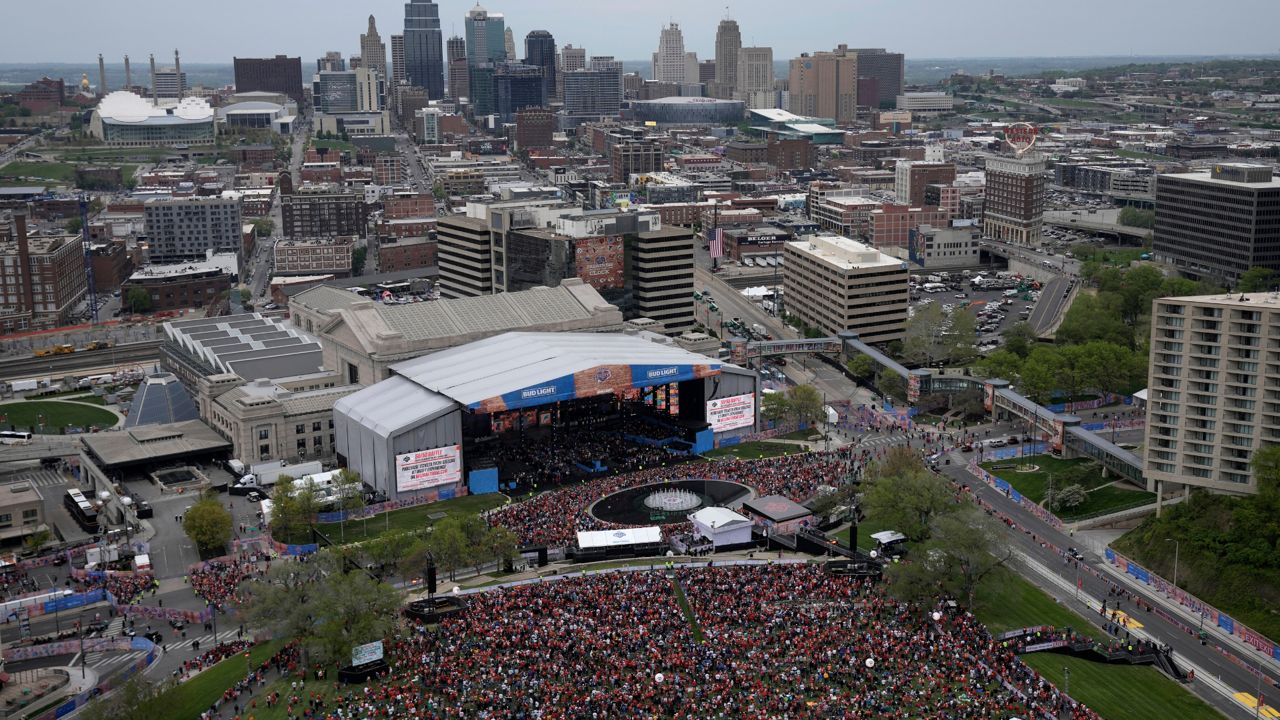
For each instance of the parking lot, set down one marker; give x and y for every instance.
(994, 309)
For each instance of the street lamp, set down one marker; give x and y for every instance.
(1176, 543)
(1066, 673)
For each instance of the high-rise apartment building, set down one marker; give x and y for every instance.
(398, 75)
(187, 228)
(881, 76)
(424, 47)
(593, 93)
(1211, 386)
(540, 50)
(728, 45)
(486, 37)
(465, 257)
(670, 62)
(1013, 209)
(836, 284)
(42, 281)
(323, 214)
(279, 74)
(535, 127)
(1215, 224)
(754, 78)
(347, 91)
(373, 52)
(660, 276)
(571, 58)
(825, 85)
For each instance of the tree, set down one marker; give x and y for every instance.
(73, 226)
(357, 260)
(804, 404)
(892, 385)
(208, 524)
(908, 499)
(138, 299)
(1256, 279)
(923, 342)
(861, 367)
(264, 226)
(964, 548)
(136, 699)
(775, 406)
(1002, 364)
(1133, 217)
(1019, 338)
(961, 338)
(350, 496)
(37, 540)
(1069, 496)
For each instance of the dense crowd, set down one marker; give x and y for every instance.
(126, 588)
(14, 581)
(553, 518)
(771, 641)
(217, 580)
(552, 457)
(213, 656)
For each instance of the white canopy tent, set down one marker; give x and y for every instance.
(721, 526)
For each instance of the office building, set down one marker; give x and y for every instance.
(457, 64)
(347, 91)
(880, 76)
(892, 225)
(315, 256)
(670, 62)
(1216, 224)
(835, 284)
(190, 284)
(427, 125)
(486, 37)
(464, 256)
(540, 50)
(926, 104)
(659, 275)
(518, 86)
(535, 128)
(634, 157)
(1210, 390)
(170, 83)
(331, 62)
(279, 74)
(728, 46)
(592, 93)
(910, 178)
(189, 228)
(825, 85)
(571, 58)
(43, 279)
(373, 52)
(323, 214)
(398, 76)
(754, 77)
(509, 43)
(424, 47)
(1013, 209)
(483, 89)
(941, 248)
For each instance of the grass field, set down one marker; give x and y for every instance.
(754, 450)
(89, 398)
(55, 414)
(864, 534)
(414, 518)
(1116, 692)
(63, 172)
(1100, 500)
(188, 700)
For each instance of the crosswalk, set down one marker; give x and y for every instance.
(41, 477)
(104, 661)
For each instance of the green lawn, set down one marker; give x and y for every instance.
(408, 519)
(800, 435)
(90, 398)
(64, 172)
(1116, 692)
(1100, 500)
(864, 533)
(55, 414)
(754, 450)
(188, 700)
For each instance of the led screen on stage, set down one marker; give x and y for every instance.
(731, 413)
(428, 468)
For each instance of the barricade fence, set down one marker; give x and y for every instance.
(1209, 613)
(1024, 502)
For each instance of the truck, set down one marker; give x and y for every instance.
(758, 329)
(98, 345)
(55, 350)
(263, 477)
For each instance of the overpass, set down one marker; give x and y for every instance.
(42, 446)
(1099, 221)
(58, 366)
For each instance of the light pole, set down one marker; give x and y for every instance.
(1066, 673)
(1176, 544)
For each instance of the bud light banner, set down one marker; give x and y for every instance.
(597, 380)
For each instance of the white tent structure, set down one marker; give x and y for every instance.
(722, 526)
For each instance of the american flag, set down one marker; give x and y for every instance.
(717, 243)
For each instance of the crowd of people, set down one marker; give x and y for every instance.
(14, 581)
(126, 587)
(761, 641)
(216, 582)
(212, 656)
(240, 700)
(553, 518)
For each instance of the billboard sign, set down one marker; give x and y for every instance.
(428, 468)
(597, 380)
(365, 654)
(782, 347)
(731, 413)
(599, 261)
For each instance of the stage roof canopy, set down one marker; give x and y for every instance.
(624, 536)
(526, 369)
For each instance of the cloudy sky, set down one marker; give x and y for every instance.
(77, 30)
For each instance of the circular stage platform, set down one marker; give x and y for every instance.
(667, 502)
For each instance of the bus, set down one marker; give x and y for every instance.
(82, 510)
(15, 437)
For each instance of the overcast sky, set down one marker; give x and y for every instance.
(77, 30)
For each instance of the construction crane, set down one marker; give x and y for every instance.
(88, 257)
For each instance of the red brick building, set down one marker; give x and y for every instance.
(408, 205)
(535, 128)
(410, 253)
(795, 154)
(891, 225)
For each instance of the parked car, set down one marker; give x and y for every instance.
(143, 509)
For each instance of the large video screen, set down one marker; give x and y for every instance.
(428, 468)
(731, 413)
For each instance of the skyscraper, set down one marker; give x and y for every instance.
(486, 37)
(373, 52)
(670, 64)
(279, 74)
(424, 47)
(728, 44)
(518, 86)
(397, 59)
(456, 54)
(509, 44)
(571, 58)
(825, 84)
(880, 74)
(755, 77)
(540, 50)
(331, 61)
